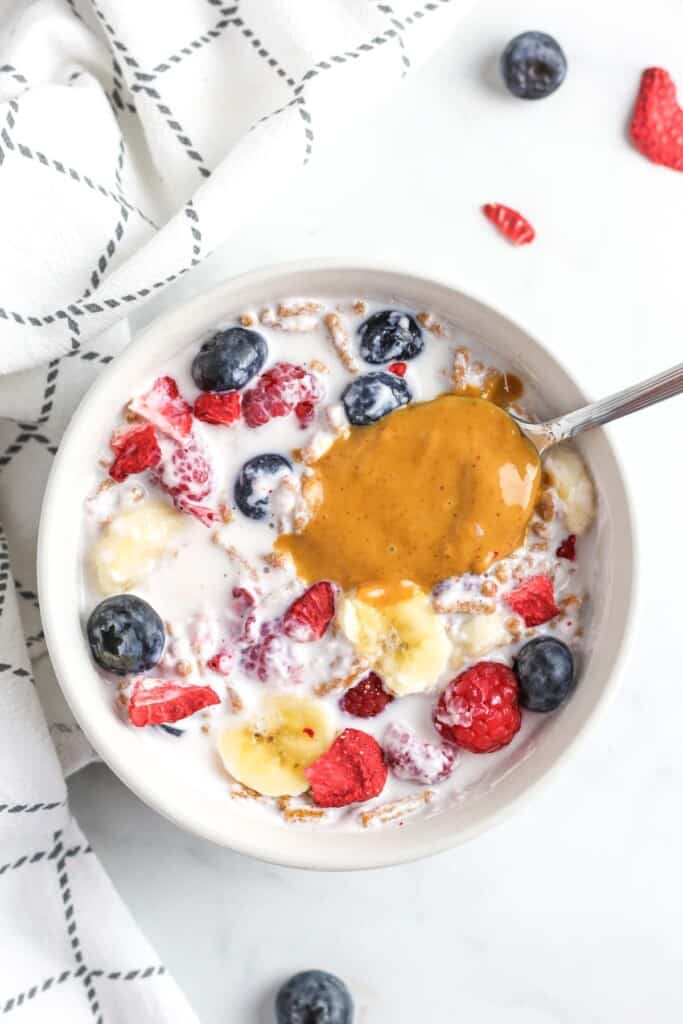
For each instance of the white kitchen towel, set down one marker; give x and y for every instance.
(133, 138)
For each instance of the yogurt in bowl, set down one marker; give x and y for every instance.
(321, 585)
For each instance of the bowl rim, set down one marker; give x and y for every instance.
(412, 846)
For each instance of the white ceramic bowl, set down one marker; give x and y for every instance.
(154, 774)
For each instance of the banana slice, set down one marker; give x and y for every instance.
(405, 642)
(479, 635)
(270, 752)
(132, 543)
(570, 479)
(482, 633)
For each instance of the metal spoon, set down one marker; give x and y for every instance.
(648, 392)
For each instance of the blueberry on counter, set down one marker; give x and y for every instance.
(369, 398)
(390, 335)
(533, 65)
(229, 360)
(125, 635)
(314, 997)
(545, 672)
(256, 481)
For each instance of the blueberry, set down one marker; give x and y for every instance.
(229, 360)
(255, 483)
(125, 635)
(369, 398)
(314, 997)
(390, 335)
(545, 673)
(533, 65)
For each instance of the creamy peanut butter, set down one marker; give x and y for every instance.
(434, 490)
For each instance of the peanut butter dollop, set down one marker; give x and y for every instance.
(433, 490)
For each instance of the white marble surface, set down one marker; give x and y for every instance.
(572, 910)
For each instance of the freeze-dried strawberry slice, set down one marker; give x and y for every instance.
(185, 473)
(352, 770)
(165, 408)
(154, 701)
(277, 392)
(221, 663)
(367, 698)
(510, 223)
(534, 600)
(567, 548)
(310, 615)
(657, 123)
(136, 449)
(218, 407)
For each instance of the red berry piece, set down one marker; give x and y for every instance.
(165, 408)
(310, 615)
(352, 770)
(277, 392)
(219, 407)
(243, 600)
(367, 698)
(510, 223)
(187, 476)
(567, 548)
(304, 412)
(534, 600)
(479, 709)
(221, 663)
(262, 659)
(409, 758)
(136, 449)
(243, 603)
(657, 123)
(154, 701)
(398, 368)
(267, 657)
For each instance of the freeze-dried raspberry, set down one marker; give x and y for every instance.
(567, 548)
(410, 758)
(221, 663)
(304, 412)
(367, 698)
(657, 123)
(269, 658)
(479, 709)
(243, 600)
(277, 392)
(185, 473)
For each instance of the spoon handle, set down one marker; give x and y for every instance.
(639, 396)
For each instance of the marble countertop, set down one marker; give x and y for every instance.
(570, 911)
